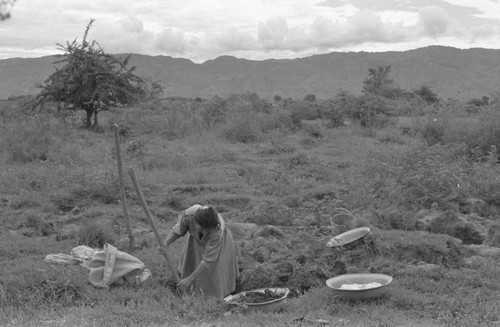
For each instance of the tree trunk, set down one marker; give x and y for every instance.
(95, 118)
(61, 112)
(88, 122)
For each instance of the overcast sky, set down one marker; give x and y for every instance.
(254, 29)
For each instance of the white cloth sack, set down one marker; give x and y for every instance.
(80, 255)
(111, 265)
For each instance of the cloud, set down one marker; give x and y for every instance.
(485, 31)
(365, 26)
(232, 39)
(434, 20)
(132, 25)
(488, 9)
(362, 27)
(125, 35)
(326, 33)
(201, 30)
(273, 33)
(171, 41)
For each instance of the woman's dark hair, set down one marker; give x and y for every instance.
(207, 217)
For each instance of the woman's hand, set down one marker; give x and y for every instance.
(163, 250)
(185, 284)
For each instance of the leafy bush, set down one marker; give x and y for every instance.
(242, 126)
(96, 235)
(393, 218)
(379, 83)
(427, 94)
(433, 174)
(390, 136)
(103, 192)
(179, 122)
(372, 111)
(479, 134)
(277, 119)
(310, 98)
(106, 193)
(135, 148)
(28, 141)
(297, 160)
(335, 118)
(276, 143)
(433, 132)
(214, 111)
(24, 203)
(303, 110)
(314, 128)
(480, 179)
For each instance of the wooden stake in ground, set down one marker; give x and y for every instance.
(123, 199)
(153, 225)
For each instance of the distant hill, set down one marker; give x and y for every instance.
(450, 72)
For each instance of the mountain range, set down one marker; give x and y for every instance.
(450, 72)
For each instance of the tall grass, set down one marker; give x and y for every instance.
(272, 171)
(28, 140)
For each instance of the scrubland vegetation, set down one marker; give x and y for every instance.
(277, 169)
(420, 171)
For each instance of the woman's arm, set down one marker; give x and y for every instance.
(186, 282)
(171, 238)
(212, 251)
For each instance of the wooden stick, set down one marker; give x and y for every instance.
(123, 199)
(153, 225)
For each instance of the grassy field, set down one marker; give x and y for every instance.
(277, 183)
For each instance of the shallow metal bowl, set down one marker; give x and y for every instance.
(348, 237)
(269, 306)
(335, 283)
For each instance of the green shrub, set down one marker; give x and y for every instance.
(393, 218)
(370, 110)
(303, 110)
(169, 121)
(25, 203)
(480, 179)
(135, 148)
(313, 128)
(160, 161)
(96, 235)
(433, 174)
(27, 141)
(297, 160)
(310, 97)
(390, 137)
(277, 120)
(242, 126)
(368, 132)
(277, 144)
(214, 111)
(179, 122)
(106, 193)
(433, 132)
(175, 201)
(478, 134)
(335, 118)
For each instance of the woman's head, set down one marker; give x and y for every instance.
(207, 217)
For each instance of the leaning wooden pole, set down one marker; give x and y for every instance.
(123, 198)
(153, 225)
